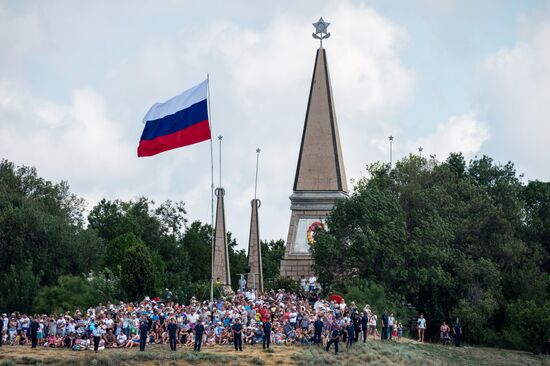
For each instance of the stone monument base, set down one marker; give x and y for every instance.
(297, 267)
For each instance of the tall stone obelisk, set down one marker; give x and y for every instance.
(320, 176)
(221, 273)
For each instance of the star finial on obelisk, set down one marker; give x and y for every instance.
(321, 31)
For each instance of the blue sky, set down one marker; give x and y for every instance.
(77, 77)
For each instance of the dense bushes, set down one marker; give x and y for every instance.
(452, 239)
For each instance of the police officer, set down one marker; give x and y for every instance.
(143, 331)
(318, 326)
(267, 334)
(172, 329)
(334, 338)
(385, 325)
(351, 334)
(356, 324)
(33, 331)
(457, 330)
(364, 325)
(237, 334)
(199, 331)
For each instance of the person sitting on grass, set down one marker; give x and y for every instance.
(121, 340)
(164, 337)
(247, 335)
(189, 340)
(68, 340)
(230, 337)
(85, 343)
(290, 337)
(110, 339)
(258, 335)
(152, 336)
(279, 336)
(218, 333)
(133, 341)
(298, 335)
(76, 343)
(22, 341)
(51, 341)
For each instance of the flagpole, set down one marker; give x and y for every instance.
(211, 190)
(256, 177)
(220, 137)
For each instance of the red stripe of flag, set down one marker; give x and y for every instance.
(188, 136)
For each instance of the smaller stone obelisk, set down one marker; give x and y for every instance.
(220, 257)
(255, 278)
(221, 254)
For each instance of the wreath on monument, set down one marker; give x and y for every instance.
(313, 230)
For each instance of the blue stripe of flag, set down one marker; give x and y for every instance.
(180, 120)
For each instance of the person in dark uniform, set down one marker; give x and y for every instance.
(356, 325)
(143, 331)
(267, 334)
(33, 331)
(334, 338)
(457, 331)
(351, 335)
(237, 334)
(199, 331)
(172, 330)
(364, 326)
(318, 327)
(384, 334)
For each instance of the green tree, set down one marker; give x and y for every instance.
(18, 285)
(107, 285)
(273, 252)
(41, 223)
(138, 272)
(237, 260)
(197, 242)
(122, 223)
(451, 238)
(71, 292)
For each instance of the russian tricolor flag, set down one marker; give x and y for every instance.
(180, 121)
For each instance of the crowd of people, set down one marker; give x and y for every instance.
(242, 318)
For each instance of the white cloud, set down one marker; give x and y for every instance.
(464, 133)
(514, 98)
(260, 83)
(77, 138)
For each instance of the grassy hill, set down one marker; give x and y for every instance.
(372, 353)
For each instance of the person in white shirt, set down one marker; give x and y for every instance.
(391, 323)
(121, 340)
(97, 332)
(372, 324)
(193, 317)
(421, 322)
(303, 284)
(292, 318)
(312, 281)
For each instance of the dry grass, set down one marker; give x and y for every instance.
(372, 353)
